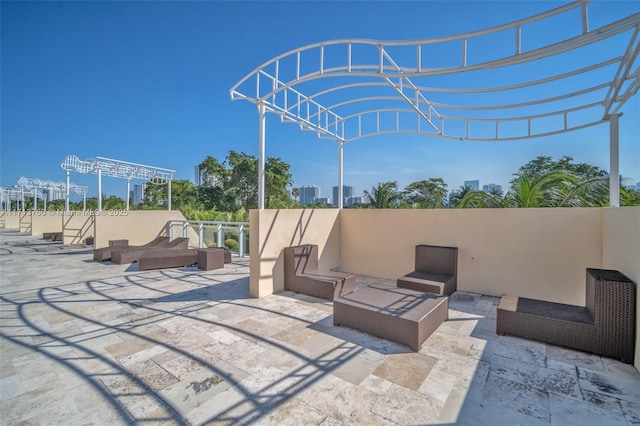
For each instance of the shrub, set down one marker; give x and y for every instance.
(231, 244)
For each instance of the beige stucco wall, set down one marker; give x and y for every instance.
(77, 226)
(137, 226)
(12, 220)
(621, 251)
(273, 230)
(537, 253)
(45, 221)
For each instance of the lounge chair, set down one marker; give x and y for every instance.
(167, 258)
(605, 326)
(436, 270)
(132, 254)
(104, 253)
(301, 274)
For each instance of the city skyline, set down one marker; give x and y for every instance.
(148, 82)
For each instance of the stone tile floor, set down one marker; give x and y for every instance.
(97, 343)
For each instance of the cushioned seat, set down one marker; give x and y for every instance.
(436, 270)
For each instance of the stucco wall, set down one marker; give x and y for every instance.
(273, 230)
(137, 226)
(12, 220)
(77, 226)
(49, 221)
(537, 253)
(621, 251)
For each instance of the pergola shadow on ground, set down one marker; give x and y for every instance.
(184, 346)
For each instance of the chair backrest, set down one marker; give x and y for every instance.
(437, 259)
(180, 243)
(298, 259)
(157, 241)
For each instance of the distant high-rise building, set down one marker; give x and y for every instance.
(309, 194)
(323, 200)
(201, 178)
(475, 184)
(56, 194)
(638, 186)
(492, 188)
(197, 176)
(138, 193)
(347, 191)
(351, 201)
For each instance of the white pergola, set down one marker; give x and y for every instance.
(117, 169)
(35, 184)
(350, 89)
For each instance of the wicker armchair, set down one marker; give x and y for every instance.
(301, 274)
(436, 271)
(605, 326)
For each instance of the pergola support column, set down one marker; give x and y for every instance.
(128, 192)
(614, 161)
(340, 173)
(99, 190)
(261, 150)
(168, 195)
(66, 196)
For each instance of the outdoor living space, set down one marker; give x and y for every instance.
(98, 343)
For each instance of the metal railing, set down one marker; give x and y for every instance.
(214, 234)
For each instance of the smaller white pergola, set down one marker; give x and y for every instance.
(118, 169)
(350, 89)
(36, 184)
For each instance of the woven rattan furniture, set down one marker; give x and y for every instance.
(119, 243)
(132, 254)
(399, 314)
(301, 274)
(211, 258)
(104, 253)
(159, 259)
(605, 326)
(436, 270)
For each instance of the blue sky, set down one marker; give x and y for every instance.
(148, 82)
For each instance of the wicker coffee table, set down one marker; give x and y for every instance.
(398, 314)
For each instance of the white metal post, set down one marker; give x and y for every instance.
(201, 235)
(45, 202)
(99, 190)
(66, 197)
(614, 161)
(35, 199)
(128, 192)
(22, 197)
(169, 195)
(185, 232)
(261, 142)
(241, 241)
(340, 173)
(84, 201)
(220, 236)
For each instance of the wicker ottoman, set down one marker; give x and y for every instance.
(211, 258)
(398, 314)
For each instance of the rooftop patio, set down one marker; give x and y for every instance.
(99, 343)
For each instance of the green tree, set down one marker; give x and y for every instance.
(629, 197)
(185, 195)
(430, 193)
(295, 193)
(384, 196)
(112, 202)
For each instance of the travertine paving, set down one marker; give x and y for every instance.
(97, 343)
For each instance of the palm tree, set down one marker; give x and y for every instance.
(457, 195)
(384, 196)
(552, 188)
(295, 192)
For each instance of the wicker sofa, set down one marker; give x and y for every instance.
(605, 326)
(301, 274)
(436, 270)
(104, 253)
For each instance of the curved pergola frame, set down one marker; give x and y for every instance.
(118, 169)
(351, 89)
